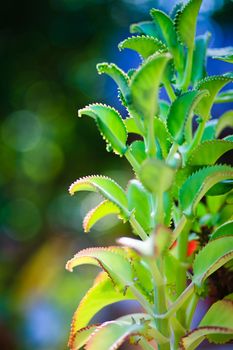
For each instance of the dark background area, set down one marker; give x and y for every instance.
(49, 50)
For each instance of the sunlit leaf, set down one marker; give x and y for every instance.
(181, 110)
(166, 25)
(110, 125)
(216, 325)
(226, 120)
(145, 86)
(162, 136)
(224, 230)
(146, 28)
(156, 175)
(199, 57)
(224, 97)
(112, 334)
(100, 211)
(106, 187)
(101, 294)
(186, 21)
(198, 184)
(140, 203)
(208, 152)
(81, 336)
(144, 45)
(213, 84)
(117, 74)
(214, 255)
(113, 260)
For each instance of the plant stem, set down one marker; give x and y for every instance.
(159, 216)
(132, 160)
(142, 300)
(151, 146)
(188, 69)
(191, 309)
(178, 303)
(138, 228)
(198, 136)
(170, 92)
(145, 344)
(182, 256)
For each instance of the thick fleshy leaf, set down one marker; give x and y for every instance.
(216, 325)
(117, 74)
(106, 187)
(209, 131)
(213, 84)
(198, 184)
(226, 120)
(144, 45)
(114, 260)
(220, 188)
(137, 148)
(208, 152)
(199, 57)
(101, 294)
(166, 25)
(145, 86)
(146, 28)
(181, 110)
(176, 8)
(81, 337)
(112, 334)
(224, 97)
(162, 136)
(163, 109)
(110, 124)
(131, 126)
(156, 175)
(140, 203)
(186, 21)
(214, 255)
(224, 230)
(100, 211)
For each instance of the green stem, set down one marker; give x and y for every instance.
(151, 146)
(132, 160)
(142, 300)
(159, 216)
(182, 270)
(178, 303)
(145, 344)
(198, 136)
(188, 69)
(170, 92)
(138, 228)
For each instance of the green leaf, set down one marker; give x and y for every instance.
(216, 325)
(145, 46)
(214, 255)
(140, 203)
(220, 188)
(198, 184)
(199, 57)
(117, 74)
(156, 175)
(208, 152)
(224, 97)
(209, 131)
(145, 86)
(137, 149)
(162, 136)
(146, 28)
(81, 337)
(213, 84)
(110, 125)
(186, 21)
(101, 294)
(166, 25)
(114, 260)
(176, 8)
(181, 110)
(106, 187)
(224, 230)
(226, 120)
(163, 109)
(112, 334)
(132, 127)
(100, 211)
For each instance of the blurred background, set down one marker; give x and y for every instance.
(49, 50)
